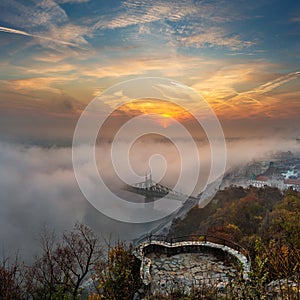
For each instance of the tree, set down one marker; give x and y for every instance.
(229, 232)
(118, 277)
(11, 280)
(62, 267)
(78, 253)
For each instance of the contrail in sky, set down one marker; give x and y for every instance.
(267, 87)
(21, 32)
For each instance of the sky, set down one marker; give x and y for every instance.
(241, 57)
(56, 56)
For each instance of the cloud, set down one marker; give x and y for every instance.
(254, 94)
(33, 99)
(66, 33)
(216, 37)
(35, 84)
(37, 188)
(73, 34)
(273, 84)
(157, 43)
(45, 21)
(53, 69)
(166, 65)
(72, 1)
(36, 15)
(204, 23)
(142, 12)
(50, 57)
(221, 90)
(295, 19)
(138, 12)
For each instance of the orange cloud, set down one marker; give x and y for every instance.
(27, 85)
(231, 94)
(163, 112)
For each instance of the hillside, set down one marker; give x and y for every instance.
(234, 213)
(262, 220)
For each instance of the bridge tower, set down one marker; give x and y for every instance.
(149, 183)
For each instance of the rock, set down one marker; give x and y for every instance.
(166, 267)
(186, 270)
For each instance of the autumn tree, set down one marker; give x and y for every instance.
(61, 269)
(11, 280)
(117, 278)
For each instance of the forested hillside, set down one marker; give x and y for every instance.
(263, 220)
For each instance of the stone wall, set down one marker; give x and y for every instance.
(166, 266)
(186, 270)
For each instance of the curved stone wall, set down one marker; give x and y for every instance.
(201, 246)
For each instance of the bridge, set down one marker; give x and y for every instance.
(153, 190)
(190, 244)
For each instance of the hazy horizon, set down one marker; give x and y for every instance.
(38, 189)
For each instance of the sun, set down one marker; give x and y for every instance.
(165, 112)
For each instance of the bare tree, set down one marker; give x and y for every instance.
(77, 255)
(11, 280)
(63, 265)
